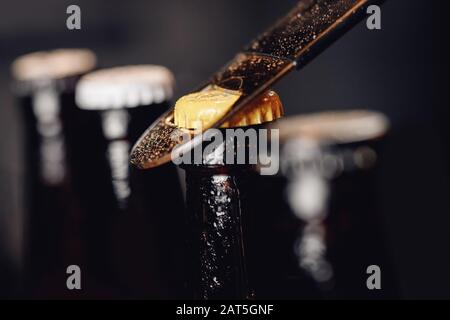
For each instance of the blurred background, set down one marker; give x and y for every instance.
(401, 70)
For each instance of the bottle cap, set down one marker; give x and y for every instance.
(125, 87)
(203, 109)
(55, 64)
(266, 108)
(335, 127)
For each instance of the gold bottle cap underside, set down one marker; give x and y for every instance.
(202, 109)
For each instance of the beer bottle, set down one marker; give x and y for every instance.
(131, 227)
(45, 86)
(329, 165)
(216, 191)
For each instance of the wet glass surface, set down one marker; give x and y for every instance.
(217, 256)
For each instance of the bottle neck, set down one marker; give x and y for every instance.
(215, 221)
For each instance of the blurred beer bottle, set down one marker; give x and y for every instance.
(329, 229)
(44, 85)
(132, 227)
(216, 190)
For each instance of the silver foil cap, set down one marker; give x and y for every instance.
(335, 127)
(125, 87)
(329, 143)
(53, 65)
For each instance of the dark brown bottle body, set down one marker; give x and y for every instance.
(120, 245)
(216, 239)
(132, 237)
(353, 230)
(216, 215)
(52, 210)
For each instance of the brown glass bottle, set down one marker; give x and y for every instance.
(216, 192)
(329, 228)
(45, 91)
(214, 196)
(128, 213)
(215, 224)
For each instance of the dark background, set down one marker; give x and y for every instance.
(401, 70)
